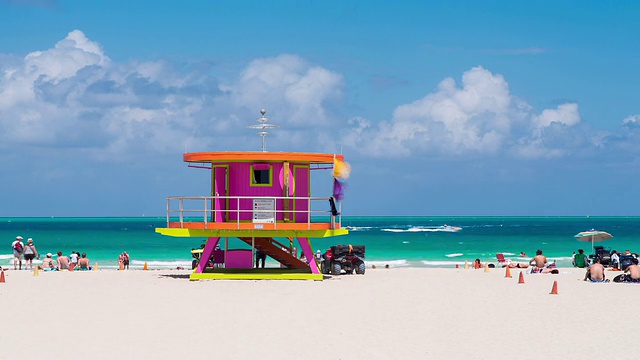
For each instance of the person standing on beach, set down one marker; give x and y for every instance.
(18, 249)
(125, 260)
(30, 252)
(74, 259)
(260, 256)
(63, 261)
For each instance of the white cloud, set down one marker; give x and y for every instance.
(73, 96)
(631, 121)
(566, 114)
(479, 117)
(290, 85)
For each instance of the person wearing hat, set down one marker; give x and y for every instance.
(30, 253)
(18, 249)
(47, 263)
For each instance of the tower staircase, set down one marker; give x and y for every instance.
(273, 248)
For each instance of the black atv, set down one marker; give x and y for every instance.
(349, 258)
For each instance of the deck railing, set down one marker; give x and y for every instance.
(188, 209)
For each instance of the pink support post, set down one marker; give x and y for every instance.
(206, 253)
(305, 245)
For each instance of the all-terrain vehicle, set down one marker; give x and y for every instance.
(349, 258)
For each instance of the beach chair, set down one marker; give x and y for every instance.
(500, 258)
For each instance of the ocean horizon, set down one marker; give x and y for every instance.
(399, 241)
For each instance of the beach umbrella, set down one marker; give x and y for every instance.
(593, 236)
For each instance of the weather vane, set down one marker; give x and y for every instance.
(263, 126)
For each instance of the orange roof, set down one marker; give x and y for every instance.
(241, 156)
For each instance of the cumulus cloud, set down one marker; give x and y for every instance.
(479, 117)
(289, 84)
(74, 96)
(632, 121)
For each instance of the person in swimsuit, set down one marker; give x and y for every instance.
(595, 272)
(83, 263)
(63, 261)
(633, 272)
(48, 264)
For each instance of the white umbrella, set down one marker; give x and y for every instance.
(593, 236)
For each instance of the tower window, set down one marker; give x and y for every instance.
(261, 175)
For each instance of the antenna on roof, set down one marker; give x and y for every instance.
(263, 126)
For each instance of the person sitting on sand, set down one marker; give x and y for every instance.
(634, 272)
(539, 262)
(580, 259)
(595, 272)
(48, 264)
(63, 261)
(477, 264)
(615, 260)
(83, 263)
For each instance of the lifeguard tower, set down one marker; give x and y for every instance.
(258, 197)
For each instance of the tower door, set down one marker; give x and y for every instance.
(302, 192)
(220, 188)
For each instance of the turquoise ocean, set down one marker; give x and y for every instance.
(397, 241)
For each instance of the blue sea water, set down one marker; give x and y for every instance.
(397, 241)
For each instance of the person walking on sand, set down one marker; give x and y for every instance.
(63, 261)
(18, 249)
(30, 253)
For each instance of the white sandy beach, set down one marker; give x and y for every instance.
(404, 313)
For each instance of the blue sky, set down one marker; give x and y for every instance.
(441, 107)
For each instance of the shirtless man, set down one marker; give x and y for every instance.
(595, 272)
(634, 271)
(83, 263)
(63, 261)
(539, 261)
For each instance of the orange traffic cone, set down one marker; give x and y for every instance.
(521, 279)
(554, 289)
(2, 276)
(486, 267)
(145, 266)
(466, 264)
(508, 273)
(95, 267)
(121, 267)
